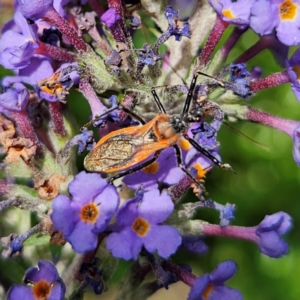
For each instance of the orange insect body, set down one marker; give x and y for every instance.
(127, 147)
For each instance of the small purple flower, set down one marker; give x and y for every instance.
(12, 245)
(256, 72)
(114, 115)
(238, 71)
(147, 55)
(240, 77)
(283, 16)
(266, 234)
(226, 211)
(44, 281)
(18, 43)
(293, 69)
(269, 231)
(194, 244)
(110, 17)
(296, 144)
(235, 12)
(94, 201)
(57, 86)
(14, 98)
(164, 169)
(140, 221)
(84, 140)
(176, 27)
(205, 135)
(211, 286)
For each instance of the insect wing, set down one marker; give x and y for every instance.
(123, 148)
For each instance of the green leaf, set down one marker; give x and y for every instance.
(37, 239)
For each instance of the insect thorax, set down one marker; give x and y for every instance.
(178, 124)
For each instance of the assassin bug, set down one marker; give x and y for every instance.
(128, 147)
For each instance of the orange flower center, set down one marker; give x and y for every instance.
(89, 213)
(200, 171)
(287, 10)
(41, 290)
(207, 291)
(140, 226)
(228, 14)
(296, 69)
(184, 144)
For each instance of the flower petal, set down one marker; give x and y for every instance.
(163, 239)
(125, 244)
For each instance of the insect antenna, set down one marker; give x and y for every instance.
(243, 135)
(220, 82)
(120, 107)
(157, 100)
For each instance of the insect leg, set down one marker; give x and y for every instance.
(132, 114)
(192, 87)
(189, 96)
(120, 107)
(199, 186)
(207, 154)
(98, 118)
(137, 168)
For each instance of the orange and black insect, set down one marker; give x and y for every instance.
(126, 150)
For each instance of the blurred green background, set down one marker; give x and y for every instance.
(266, 181)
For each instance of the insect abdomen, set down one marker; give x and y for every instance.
(113, 153)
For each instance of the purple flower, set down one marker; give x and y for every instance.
(268, 234)
(147, 56)
(238, 71)
(226, 211)
(44, 281)
(296, 144)
(283, 16)
(235, 12)
(176, 27)
(194, 244)
(139, 221)
(81, 219)
(205, 135)
(211, 286)
(110, 17)
(84, 140)
(57, 86)
(290, 127)
(39, 68)
(293, 69)
(35, 9)
(164, 169)
(114, 115)
(18, 43)
(12, 245)
(14, 98)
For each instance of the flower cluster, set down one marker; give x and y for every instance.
(158, 110)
